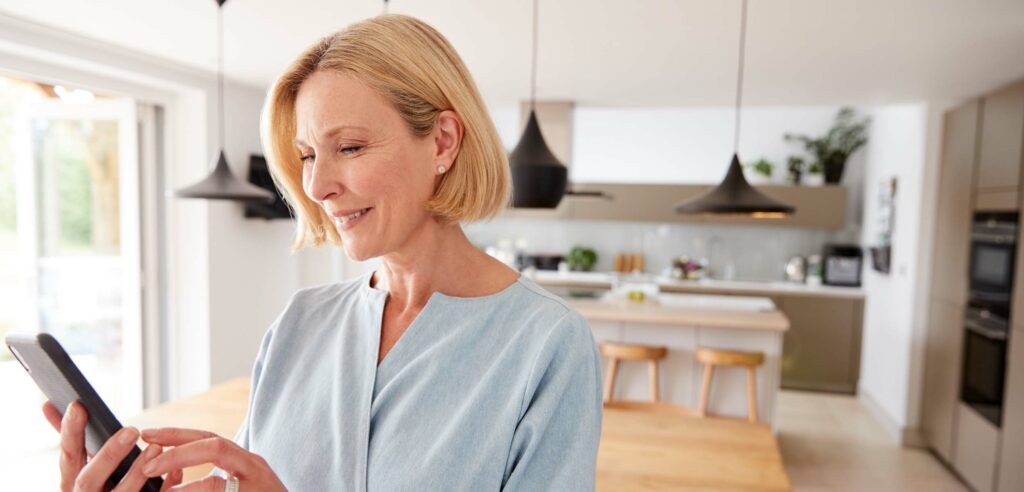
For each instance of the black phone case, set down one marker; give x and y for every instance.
(60, 380)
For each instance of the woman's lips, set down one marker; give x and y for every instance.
(347, 222)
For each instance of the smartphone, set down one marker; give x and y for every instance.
(60, 380)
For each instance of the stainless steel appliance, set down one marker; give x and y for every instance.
(987, 319)
(842, 265)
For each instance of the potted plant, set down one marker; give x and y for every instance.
(795, 165)
(581, 259)
(815, 175)
(760, 171)
(831, 150)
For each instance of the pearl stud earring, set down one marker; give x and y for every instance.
(440, 169)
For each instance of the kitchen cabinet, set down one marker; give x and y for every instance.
(821, 350)
(989, 200)
(1011, 454)
(1002, 138)
(818, 207)
(977, 444)
(948, 287)
(942, 376)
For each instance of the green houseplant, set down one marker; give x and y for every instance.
(581, 259)
(831, 150)
(762, 169)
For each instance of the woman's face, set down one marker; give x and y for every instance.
(363, 165)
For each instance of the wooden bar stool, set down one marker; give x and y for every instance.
(715, 357)
(622, 351)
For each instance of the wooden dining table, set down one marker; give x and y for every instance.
(640, 450)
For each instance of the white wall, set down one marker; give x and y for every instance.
(685, 145)
(904, 143)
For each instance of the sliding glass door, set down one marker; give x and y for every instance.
(69, 247)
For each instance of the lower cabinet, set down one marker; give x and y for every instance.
(1011, 458)
(977, 445)
(943, 348)
(821, 350)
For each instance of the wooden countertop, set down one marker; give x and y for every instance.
(640, 450)
(749, 313)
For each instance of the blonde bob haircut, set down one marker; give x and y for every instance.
(419, 72)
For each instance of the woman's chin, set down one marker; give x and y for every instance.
(358, 252)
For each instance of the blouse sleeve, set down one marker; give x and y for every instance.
(555, 442)
(242, 435)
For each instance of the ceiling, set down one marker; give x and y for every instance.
(636, 52)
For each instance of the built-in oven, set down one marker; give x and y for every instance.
(984, 363)
(993, 248)
(987, 318)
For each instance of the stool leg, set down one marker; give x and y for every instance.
(654, 381)
(613, 369)
(705, 389)
(751, 394)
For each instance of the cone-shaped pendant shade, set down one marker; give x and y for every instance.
(734, 196)
(222, 184)
(538, 178)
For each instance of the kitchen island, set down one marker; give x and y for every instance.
(682, 323)
(821, 350)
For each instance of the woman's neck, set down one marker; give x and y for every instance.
(440, 258)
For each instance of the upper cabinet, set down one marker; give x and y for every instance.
(953, 214)
(1002, 139)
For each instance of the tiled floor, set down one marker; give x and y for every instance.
(830, 442)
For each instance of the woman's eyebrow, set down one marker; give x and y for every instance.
(332, 132)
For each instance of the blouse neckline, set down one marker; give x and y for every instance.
(365, 286)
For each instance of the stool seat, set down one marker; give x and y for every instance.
(729, 357)
(625, 351)
(717, 357)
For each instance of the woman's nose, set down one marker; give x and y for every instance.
(321, 183)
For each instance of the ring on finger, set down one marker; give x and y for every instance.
(231, 484)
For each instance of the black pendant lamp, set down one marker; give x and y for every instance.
(539, 179)
(734, 196)
(222, 184)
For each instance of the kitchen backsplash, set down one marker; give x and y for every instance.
(754, 253)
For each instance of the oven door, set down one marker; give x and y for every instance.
(984, 369)
(992, 269)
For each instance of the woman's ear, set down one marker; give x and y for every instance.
(447, 135)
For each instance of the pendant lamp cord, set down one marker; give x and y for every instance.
(739, 76)
(220, 70)
(385, 6)
(533, 66)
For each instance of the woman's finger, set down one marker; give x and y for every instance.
(52, 415)
(173, 478)
(221, 452)
(174, 436)
(72, 445)
(98, 470)
(211, 483)
(134, 479)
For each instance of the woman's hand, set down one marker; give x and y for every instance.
(196, 447)
(77, 473)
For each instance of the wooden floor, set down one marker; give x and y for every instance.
(830, 442)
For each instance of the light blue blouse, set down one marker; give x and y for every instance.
(500, 392)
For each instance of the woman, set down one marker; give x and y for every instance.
(442, 370)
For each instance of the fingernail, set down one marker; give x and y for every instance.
(149, 468)
(128, 435)
(151, 451)
(68, 412)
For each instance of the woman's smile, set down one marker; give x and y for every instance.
(346, 220)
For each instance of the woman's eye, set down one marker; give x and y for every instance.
(308, 159)
(351, 149)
